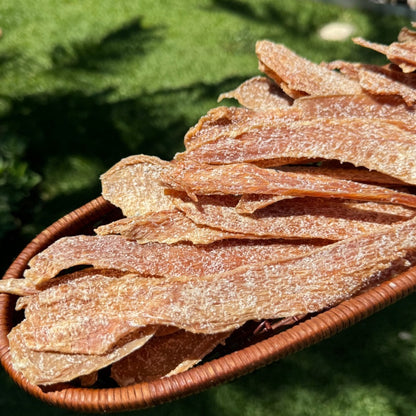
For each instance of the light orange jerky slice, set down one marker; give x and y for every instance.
(389, 107)
(165, 356)
(385, 81)
(298, 218)
(407, 35)
(168, 227)
(133, 185)
(402, 54)
(46, 368)
(299, 74)
(375, 144)
(245, 178)
(224, 302)
(259, 93)
(230, 120)
(153, 259)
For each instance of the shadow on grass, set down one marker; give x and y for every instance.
(129, 40)
(370, 356)
(60, 127)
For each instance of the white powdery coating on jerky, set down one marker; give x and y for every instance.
(300, 74)
(133, 185)
(153, 259)
(298, 218)
(44, 368)
(374, 144)
(222, 302)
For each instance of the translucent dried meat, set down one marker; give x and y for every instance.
(258, 93)
(168, 227)
(154, 259)
(298, 218)
(244, 178)
(223, 302)
(375, 144)
(299, 74)
(45, 368)
(388, 82)
(401, 53)
(133, 185)
(165, 356)
(371, 106)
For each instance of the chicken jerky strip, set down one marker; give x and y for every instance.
(297, 218)
(154, 259)
(378, 80)
(45, 368)
(259, 93)
(165, 356)
(245, 178)
(168, 227)
(375, 144)
(401, 53)
(298, 76)
(224, 302)
(133, 185)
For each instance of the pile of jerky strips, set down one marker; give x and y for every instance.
(291, 202)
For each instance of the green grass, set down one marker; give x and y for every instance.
(85, 83)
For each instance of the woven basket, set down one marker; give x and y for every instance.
(228, 366)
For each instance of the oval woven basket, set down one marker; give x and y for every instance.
(228, 366)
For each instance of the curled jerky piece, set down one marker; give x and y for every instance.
(45, 368)
(223, 302)
(301, 76)
(375, 144)
(133, 185)
(401, 53)
(298, 218)
(244, 178)
(259, 93)
(165, 356)
(154, 259)
(168, 227)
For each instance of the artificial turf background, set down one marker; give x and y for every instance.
(85, 83)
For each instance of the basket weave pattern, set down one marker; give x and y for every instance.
(208, 374)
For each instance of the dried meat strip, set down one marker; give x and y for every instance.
(245, 178)
(46, 368)
(259, 93)
(224, 302)
(167, 227)
(154, 259)
(298, 218)
(389, 107)
(387, 82)
(375, 144)
(401, 53)
(133, 185)
(299, 74)
(165, 356)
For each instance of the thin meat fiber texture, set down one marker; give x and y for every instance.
(259, 93)
(168, 227)
(245, 178)
(133, 185)
(401, 53)
(165, 356)
(154, 259)
(221, 302)
(298, 76)
(298, 218)
(375, 144)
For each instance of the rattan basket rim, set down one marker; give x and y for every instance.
(206, 375)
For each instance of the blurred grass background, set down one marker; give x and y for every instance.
(85, 83)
